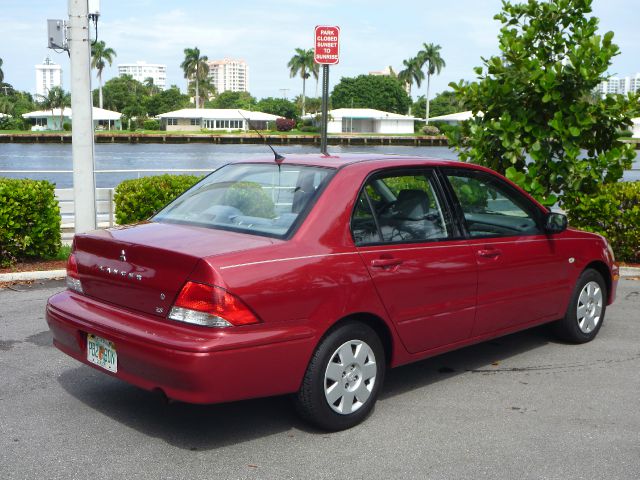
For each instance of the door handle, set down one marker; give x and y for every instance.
(489, 253)
(385, 262)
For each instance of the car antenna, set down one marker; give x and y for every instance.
(278, 158)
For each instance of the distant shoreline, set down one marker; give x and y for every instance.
(249, 138)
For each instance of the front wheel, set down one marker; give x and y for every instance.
(343, 378)
(586, 310)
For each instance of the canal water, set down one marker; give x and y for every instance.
(34, 157)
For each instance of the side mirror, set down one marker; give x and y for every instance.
(555, 222)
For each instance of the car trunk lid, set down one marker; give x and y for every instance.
(144, 267)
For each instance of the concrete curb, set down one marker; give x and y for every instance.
(625, 272)
(37, 275)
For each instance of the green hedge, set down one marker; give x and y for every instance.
(138, 199)
(29, 220)
(615, 213)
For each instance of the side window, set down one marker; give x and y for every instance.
(490, 208)
(399, 208)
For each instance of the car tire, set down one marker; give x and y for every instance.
(586, 310)
(343, 378)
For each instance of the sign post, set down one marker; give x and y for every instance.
(326, 52)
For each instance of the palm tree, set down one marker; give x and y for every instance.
(1, 72)
(100, 56)
(56, 98)
(412, 73)
(152, 87)
(302, 62)
(206, 90)
(430, 56)
(195, 68)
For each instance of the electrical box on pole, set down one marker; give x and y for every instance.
(326, 52)
(56, 34)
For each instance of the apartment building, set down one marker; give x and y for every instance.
(48, 75)
(229, 74)
(140, 71)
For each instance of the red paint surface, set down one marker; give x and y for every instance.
(426, 298)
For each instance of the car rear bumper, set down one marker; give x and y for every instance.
(190, 364)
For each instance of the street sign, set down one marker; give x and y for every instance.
(327, 45)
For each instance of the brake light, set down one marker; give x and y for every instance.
(210, 306)
(73, 277)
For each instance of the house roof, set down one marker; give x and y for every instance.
(363, 113)
(219, 114)
(453, 117)
(98, 114)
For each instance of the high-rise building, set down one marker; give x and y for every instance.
(229, 74)
(140, 71)
(48, 75)
(619, 85)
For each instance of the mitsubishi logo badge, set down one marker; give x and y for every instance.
(123, 256)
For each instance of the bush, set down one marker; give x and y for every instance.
(614, 211)
(624, 133)
(140, 198)
(309, 128)
(430, 130)
(285, 124)
(30, 220)
(151, 124)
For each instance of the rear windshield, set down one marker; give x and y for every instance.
(263, 199)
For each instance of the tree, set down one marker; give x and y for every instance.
(278, 106)
(167, 101)
(430, 56)
(195, 68)
(56, 98)
(100, 56)
(1, 72)
(124, 91)
(302, 63)
(371, 91)
(412, 73)
(443, 103)
(206, 90)
(152, 88)
(534, 102)
(230, 99)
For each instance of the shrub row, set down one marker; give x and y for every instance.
(29, 220)
(140, 198)
(615, 213)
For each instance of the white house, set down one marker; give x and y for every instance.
(365, 120)
(50, 120)
(635, 128)
(454, 118)
(214, 119)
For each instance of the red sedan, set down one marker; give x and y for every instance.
(313, 275)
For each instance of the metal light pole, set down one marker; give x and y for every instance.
(84, 181)
(325, 108)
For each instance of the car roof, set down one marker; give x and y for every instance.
(342, 160)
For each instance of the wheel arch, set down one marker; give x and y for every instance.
(378, 325)
(603, 270)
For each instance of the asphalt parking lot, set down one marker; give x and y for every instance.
(524, 406)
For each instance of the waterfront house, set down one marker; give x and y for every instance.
(635, 128)
(214, 119)
(365, 120)
(453, 118)
(51, 120)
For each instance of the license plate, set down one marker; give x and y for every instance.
(102, 353)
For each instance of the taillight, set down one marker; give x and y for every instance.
(209, 306)
(73, 277)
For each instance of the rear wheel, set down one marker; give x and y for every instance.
(586, 311)
(343, 378)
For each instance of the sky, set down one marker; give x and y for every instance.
(374, 34)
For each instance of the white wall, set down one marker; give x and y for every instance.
(636, 128)
(393, 126)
